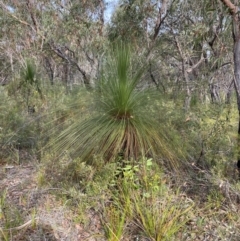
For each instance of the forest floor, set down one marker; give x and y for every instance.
(29, 212)
(37, 211)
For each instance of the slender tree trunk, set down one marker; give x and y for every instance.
(229, 92)
(236, 57)
(237, 87)
(234, 10)
(186, 77)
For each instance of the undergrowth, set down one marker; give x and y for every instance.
(136, 193)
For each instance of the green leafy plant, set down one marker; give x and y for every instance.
(148, 205)
(17, 130)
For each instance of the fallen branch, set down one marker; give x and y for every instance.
(28, 223)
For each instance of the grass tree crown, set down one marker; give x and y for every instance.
(123, 119)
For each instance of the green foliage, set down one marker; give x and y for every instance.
(126, 23)
(113, 223)
(160, 219)
(215, 199)
(67, 173)
(18, 130)
(146, 205)
(29, 82)
(22, 130)
(216, 138)
(10, 217)
(121, 119)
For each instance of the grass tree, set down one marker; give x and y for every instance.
(123, 120)
(29, 83)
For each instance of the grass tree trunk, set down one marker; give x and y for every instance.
(234, 10)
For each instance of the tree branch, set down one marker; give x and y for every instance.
(33, 17)
(13, 16)
(233, 9)
(189, 70)
(101, 16)
(183, 60)
(216, 32)
(162, 14)
(62, 55)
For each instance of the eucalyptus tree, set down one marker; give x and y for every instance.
(183, 42)
(139, 22)
(202, 49)
(24, 24)
(233, 7)
(126, 22)
(144, 24)
(63, 37)
(79, 39)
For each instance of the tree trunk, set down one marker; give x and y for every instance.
(237, 87)
(236, 58)
(234, 8)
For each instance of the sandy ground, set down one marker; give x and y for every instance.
(44, 218)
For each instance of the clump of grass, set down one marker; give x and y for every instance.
(160, 218)
(114, 223)
(10, 217)
(144, 206)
